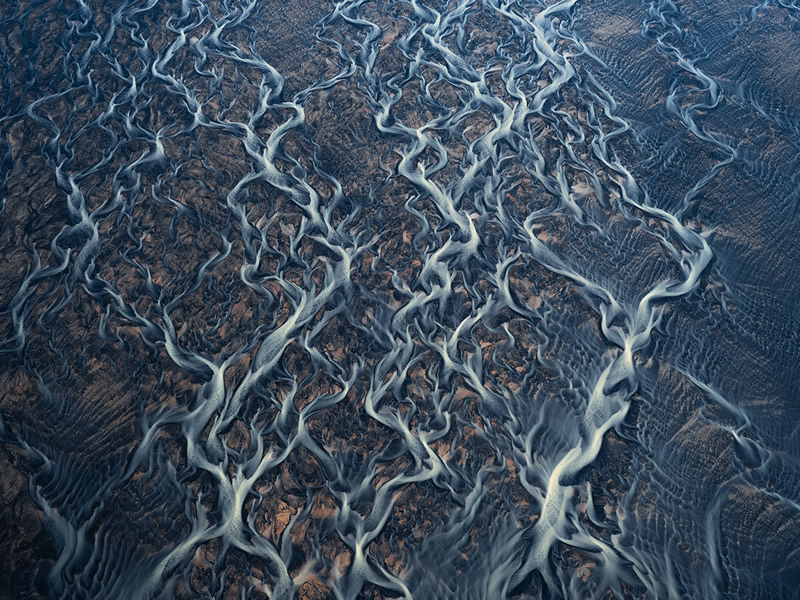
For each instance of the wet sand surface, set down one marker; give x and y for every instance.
(399, 299)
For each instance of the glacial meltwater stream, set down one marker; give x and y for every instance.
(464, 299)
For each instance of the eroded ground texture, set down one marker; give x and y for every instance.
(399, 299)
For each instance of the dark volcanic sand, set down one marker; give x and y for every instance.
(446, 300)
